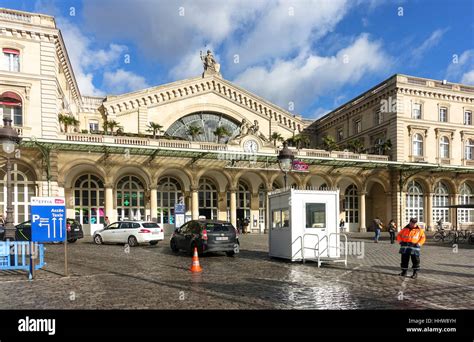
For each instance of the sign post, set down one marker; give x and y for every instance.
(48, 223)
(179, 211)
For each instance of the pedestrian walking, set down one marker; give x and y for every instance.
(106, 221)
(245, 224)
(377, 226)
(392, 228)
(411, 238)
(342, 224)
(239, 225)
(2, 220)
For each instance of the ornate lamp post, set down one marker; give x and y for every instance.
(9, 140)
(285, 160)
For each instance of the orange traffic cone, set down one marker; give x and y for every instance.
(195, 267)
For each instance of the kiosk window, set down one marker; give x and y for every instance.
(276, 218)
(315, 215)
(281, 218)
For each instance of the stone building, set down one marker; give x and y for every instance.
(214, 148)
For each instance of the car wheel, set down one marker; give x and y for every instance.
(153, 243)
(98, 240)
(173, 246)
(132, 241)
(230, 253)
(72, 240)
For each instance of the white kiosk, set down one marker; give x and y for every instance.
(304, 225)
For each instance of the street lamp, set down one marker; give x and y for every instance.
(285, 160)
(9, 140)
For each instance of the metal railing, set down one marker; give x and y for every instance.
(317, 252)
(15, 255)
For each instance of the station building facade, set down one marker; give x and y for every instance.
(127, 172)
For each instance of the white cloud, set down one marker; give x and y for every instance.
(122, 81)
(461, 68)
(468, 77)
(302, 79)
(432, 41)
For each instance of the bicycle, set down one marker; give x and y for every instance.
(443, 235)
(462, 235)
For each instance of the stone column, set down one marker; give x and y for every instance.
(153, 203)
(362, 227)
(454, 211)
(429, 212)
(233, 207)
(194, 203)
(109, 203)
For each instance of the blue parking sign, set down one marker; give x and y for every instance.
(48, 219)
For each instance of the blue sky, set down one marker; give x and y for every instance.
(306, 56)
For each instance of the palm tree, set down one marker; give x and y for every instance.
(300, 140)
(276, 137)
(194, 131)
(355, 146)
(329, 143)
(385, 146)
(67, 120)
(221, 132)
(154, 128)
(111, 124)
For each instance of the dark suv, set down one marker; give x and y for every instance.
(73, 228)
(207, 236)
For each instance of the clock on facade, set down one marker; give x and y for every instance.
(251, 146)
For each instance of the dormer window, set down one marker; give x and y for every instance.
(11, 60)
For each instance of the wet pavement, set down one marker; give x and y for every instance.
(152, 277)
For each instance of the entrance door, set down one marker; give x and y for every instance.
(320, 219)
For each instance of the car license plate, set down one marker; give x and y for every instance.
(155, 233)
(222, 238)
(76, 229)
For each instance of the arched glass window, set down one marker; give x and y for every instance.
(168, 194)
(440, 199)
(417, 145)
(466, 196)
(89, 199)
(11, 108)
(414, 205)
(207, 199)
(469, 150)
(130, 199)
(444, 148)
(23, 188)
(351, 204)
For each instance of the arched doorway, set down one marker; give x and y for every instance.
(208, 199)
(168, 193)
(351, 207)
(23, 188)
(89, 201)
(440, 201)
(376, 204)
(130, 199)
(414, 203)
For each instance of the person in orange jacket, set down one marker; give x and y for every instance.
(411, 238)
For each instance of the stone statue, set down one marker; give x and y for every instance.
(211, 67)
(254, 129)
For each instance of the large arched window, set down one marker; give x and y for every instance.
(130, 199)
(23, 188)
(444, 148)
(11, 108)
(440, 200)
(414, 205)
(469, 150)
(417, 145)
(351, 204)
(168, 194)
(207, 199)
(466, 196)
(89, 199)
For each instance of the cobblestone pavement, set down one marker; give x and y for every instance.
(152, 277)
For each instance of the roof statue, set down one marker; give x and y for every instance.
(211, 67)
